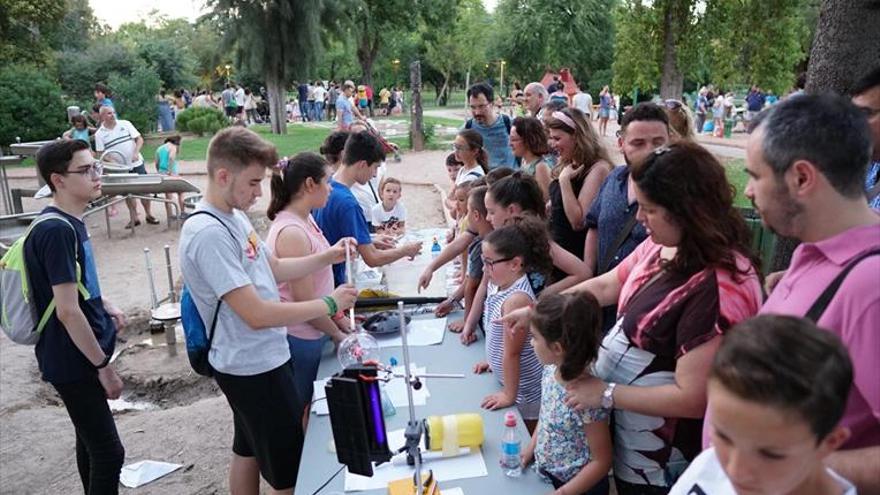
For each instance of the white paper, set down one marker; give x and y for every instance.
(454, 468)
(395, 388)
(142, 472)
(452, 491)
(420, 332)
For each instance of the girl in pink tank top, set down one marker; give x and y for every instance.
(298, 186)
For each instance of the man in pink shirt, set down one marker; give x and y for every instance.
(806, 161)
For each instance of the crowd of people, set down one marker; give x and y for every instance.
(624, 311)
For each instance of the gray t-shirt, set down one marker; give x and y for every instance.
(475, 259)
(214, 264)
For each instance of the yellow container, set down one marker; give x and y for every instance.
(452, 432)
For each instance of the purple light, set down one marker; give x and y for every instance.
(376, 407)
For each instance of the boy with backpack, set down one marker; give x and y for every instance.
(232, 278)
(76, 342)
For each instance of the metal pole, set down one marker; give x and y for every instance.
(153, 298)
(172, 296)
(412, 410)
(467, 84)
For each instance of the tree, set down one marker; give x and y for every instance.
(27, 91)
(279, 39)
(373, 21)
(22, 23)
(459, 47)
(532, 36)
(844, 47)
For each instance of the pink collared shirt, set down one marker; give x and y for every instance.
(853, 315)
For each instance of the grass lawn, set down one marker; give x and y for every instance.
(736, 174)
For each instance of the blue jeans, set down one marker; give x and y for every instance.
(318, 110)
(306, 357)
(305, 109)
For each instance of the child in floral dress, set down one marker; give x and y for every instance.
(571, 449)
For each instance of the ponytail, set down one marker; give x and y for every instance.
(289, 177)
(575, 322)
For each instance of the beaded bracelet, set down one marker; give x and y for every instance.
(332, 308)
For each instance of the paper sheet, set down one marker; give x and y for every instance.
(395, 388)
(142, 472)
(421, 332)
(452, 491)
(454, 468)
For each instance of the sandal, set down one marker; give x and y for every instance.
(152, 221)
(129, 225)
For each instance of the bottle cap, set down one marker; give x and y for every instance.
(509, 419)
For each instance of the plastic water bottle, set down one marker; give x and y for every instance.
(435, 248)
(511, 447)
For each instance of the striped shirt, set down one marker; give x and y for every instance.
(528, 396)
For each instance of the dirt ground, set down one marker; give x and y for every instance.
(186, 420)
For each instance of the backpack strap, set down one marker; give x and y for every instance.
(507, 123)
(621, 237)
(818, 308)
(219, 300)
(50, 309)
(469, 123)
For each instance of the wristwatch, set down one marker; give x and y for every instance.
(608, 396)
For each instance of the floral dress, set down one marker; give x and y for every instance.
(562, 448)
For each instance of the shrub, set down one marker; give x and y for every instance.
(201, 120)
(33, 108)
(134, 97)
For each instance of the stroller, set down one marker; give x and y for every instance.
(387, 145)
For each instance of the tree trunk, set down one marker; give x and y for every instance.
(671, 79)
(277, 113)
(441, 101)
(843, 50)
(416, 131)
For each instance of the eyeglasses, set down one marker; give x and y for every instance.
(94, 170)
(459, 147)
(492, 263)
(478, 107)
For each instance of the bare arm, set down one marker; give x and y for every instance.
(379, 257)
(576, 208)
(577, 270)
(294, 268)
(605, 287)
(258, 313)
(293, 243)
(138, 144)
(686, 398)
(475, 312)
(458, 246)
(591, 249)
(859, 466)
(513, 347)
(599, 440)
(542, 176)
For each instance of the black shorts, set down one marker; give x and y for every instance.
(231, 111)
(140, 169)
(267, 415)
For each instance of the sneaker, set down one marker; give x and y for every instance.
(152, 221)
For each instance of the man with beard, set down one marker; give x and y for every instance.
(806, 159)
(495, 130)
(613, 230)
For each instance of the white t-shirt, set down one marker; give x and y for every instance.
(380, 216)
(705, 476)
(320, 93)
(583, 102)
(367, 195)
(213, 264)
(122, 138)
(239, 97)
(469, 175)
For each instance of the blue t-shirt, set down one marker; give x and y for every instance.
(496, 142)
(343, 108)
(342, 217)
(50, 260)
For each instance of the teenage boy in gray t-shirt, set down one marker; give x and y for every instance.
(222, 258)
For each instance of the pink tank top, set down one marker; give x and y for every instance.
(322, 279)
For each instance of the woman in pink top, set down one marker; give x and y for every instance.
(300, 185)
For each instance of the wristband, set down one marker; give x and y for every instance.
(104, 363)
(332, 308)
